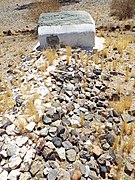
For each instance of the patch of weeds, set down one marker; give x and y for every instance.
(40, 7)
(123, 8)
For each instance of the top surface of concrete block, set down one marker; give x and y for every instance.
(65, 18)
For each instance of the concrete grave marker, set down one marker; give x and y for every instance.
(74, 28)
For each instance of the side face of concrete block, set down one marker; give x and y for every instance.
(75, 28)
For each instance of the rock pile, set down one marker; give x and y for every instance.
(59, 124)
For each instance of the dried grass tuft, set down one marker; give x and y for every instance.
(40, 7)
(123, 105)
(123, 8)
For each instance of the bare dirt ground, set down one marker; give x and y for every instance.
(12, 20)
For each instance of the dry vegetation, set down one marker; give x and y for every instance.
(123, 8)
(42, 6)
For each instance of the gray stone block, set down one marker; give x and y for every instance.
(74, 28)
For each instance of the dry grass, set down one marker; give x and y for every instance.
(123, 8)
(82, 121)
(123, 105)
(51, 56)
(42, 6)
(104, 53)
(95, 58)
(68, 51)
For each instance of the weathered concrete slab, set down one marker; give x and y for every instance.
(75, 28)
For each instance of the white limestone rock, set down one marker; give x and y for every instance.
(14, 162)
(13, 175)
(29, 155)
(10, 129)
(25, 176)
(12, 148)
(4, 175)
(30, 126)
(61, 153)
(20, 140)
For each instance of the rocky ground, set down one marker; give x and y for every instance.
(68, 113)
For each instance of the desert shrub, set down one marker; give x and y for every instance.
(123, 8)
(42, 6)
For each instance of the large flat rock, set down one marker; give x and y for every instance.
(75, 28)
